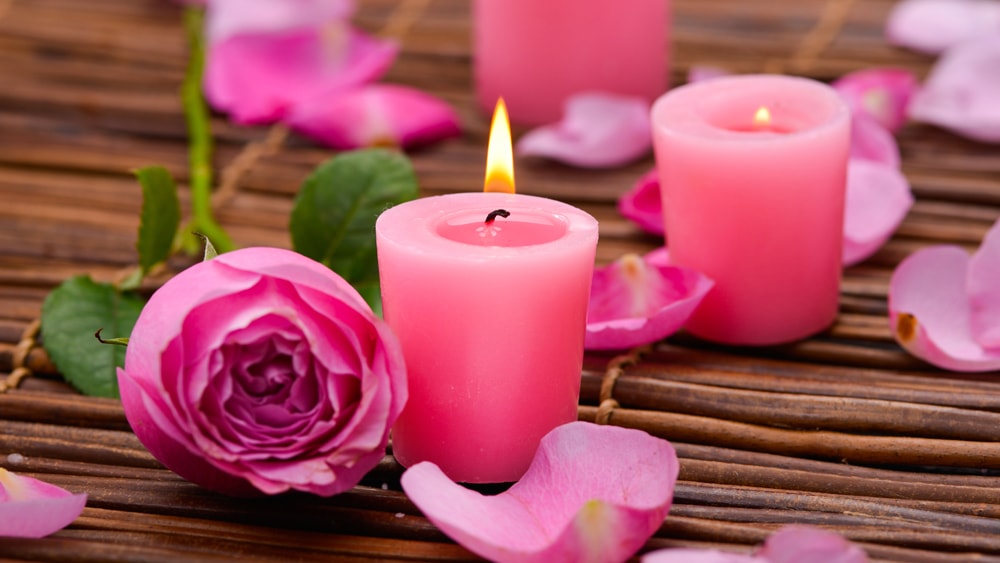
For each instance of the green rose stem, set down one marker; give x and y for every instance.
(199, 142)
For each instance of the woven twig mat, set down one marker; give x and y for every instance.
(843, 430)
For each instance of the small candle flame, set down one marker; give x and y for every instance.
(500, 153)
(762, 119)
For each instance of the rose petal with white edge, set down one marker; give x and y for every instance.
(376, 115)
(794, 544)
(930, 313)
(983, 286)
(635, 301)
(598, 130)
(642, 204)
(566, 507)
(30, 508)
(878, 199)
(932, 26)
(880, 93)
(258, 78)
(962, 90)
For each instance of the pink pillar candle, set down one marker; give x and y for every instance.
(536, 53)
(491, 319)
(758, 207)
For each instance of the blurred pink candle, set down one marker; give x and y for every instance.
(757, 204)
(490, 309)
(536, 53)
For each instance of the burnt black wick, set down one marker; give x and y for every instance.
(494, 214)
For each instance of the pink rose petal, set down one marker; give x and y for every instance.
(962, 90)
(30, 508)
(932, 26)
(592, 493)
(226, 18)
(658, 257)
(983, 286)
(700, 73)
(871, 141)
(930, 310)
(794, 544)
(257, 78)
(790, 544)
(878, 199)
(642, 204)
(690, 555)
(380, 114)
(636, 301)
(880, 93)
(598, 130)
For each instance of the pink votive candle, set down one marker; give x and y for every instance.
(536, 53)
(491, 318)
(755, 202)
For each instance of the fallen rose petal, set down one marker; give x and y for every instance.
(794, 544)
(30, 508)
(598, 130)
(880, 93)
(634, 301)
(932, 26)
(962, 90)
(262, 371)
(258, 78)
(878, 199)
(642, 204)
(226, 18)
(592, 493)
(700, 73)
(790, 544)
(690, 555)
(930, 310)
(658, 257)
(871, 141)
(376, 115)
(983, 286)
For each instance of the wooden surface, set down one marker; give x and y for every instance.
(843, 430)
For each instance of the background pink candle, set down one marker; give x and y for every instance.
(759, 208)
(491, 319)
(535, 53)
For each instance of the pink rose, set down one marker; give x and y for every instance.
(262, 370)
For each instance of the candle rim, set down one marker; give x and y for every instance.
(691, 120)
(581, 228)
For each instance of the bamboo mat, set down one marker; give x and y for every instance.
(843, 430)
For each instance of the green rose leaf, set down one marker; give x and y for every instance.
(333, 220)
(71, 314)
(160, 218)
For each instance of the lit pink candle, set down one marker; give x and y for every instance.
(488, 294)
(535, 53)
(756, 203)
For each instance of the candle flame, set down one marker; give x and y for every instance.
(762, 118)
(500, 153)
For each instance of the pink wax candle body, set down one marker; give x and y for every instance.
(491, 319)
(536, 53)
(759, 208)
